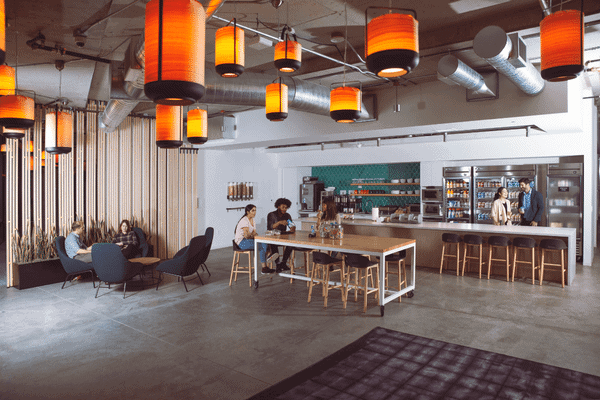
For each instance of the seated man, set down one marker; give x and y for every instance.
(75, 247)
(278, 220)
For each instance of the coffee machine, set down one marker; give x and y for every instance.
(310, 193)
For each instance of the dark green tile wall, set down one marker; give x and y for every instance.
(340, 177)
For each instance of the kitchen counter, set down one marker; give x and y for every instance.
(428, 236)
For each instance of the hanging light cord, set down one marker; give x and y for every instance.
(346, 39)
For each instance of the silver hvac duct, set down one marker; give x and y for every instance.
(451, 68)
(495, 46)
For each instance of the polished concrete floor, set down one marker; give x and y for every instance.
(222, 342)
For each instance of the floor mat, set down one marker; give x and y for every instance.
(390, 365)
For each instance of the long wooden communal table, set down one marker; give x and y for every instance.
(357, 244)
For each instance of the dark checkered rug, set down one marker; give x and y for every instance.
(390, 365)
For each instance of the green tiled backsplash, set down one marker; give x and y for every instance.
(341, 176)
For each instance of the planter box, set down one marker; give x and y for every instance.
(39, 273)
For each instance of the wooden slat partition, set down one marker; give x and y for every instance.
(106, 177)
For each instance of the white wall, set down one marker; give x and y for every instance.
(220, 167)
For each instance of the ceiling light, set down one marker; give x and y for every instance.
(288, 54)
(345, 104)
(392, 46)
(277, 101)
(336, 37)
(2, 33)
(197, 126)
(7, 80)
(169, 132)
(561, 39)
(175, 37)
(229, 51)
(16, 112)
(59, 132)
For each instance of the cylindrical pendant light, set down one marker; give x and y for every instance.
(345, 104)
(197, 126)
(3, 148)
(288, 54)
(7, 80)
(59, 132)
(561, 40)
(175, 37)
(16, 111)
(392, 47)
(2, 33)
(229, 51)
(169, 132)
(277, 101)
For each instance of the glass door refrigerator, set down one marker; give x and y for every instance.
(457, 192)
(564, 199)
(488, 179)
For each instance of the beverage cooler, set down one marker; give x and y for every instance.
(458, 194)
(564, 199)
(488, 179)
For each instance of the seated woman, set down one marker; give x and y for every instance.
(127, 240)
(327, 215)
(245, 231)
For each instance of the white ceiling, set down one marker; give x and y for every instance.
(441, 30)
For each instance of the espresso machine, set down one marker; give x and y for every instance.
(310, 193)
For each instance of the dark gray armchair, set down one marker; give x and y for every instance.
(146, 249)
(185, 262)
(72, 267)
(112, 267)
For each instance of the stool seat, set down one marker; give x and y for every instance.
(451, 238)
(500, 242)
(363, 271)
(473, 239)
(553, 244)
(400, 258)
(524, 242)
(322, 269)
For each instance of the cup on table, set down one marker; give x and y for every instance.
(522, 210)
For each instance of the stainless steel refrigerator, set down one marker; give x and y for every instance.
(488, 179)
(458, 188)
(564, 198)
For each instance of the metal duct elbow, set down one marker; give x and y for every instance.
(453, 69)
(494, 45)
(115, 112)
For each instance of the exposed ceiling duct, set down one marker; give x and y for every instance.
(456, 71)
(494, 45)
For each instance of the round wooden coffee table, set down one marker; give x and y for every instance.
(149, 264)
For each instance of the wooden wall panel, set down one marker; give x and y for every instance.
(106, 177)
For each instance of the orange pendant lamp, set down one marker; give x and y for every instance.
(276, 103)
(197, 126)
(288, 54)
(392, 43)
(229, 51)
(169, 132)
(561, 40)
(2, 33)
(59, 132)
(345, 104)
(7, 80)
(175, 37)
(16, 111)
(14, 133)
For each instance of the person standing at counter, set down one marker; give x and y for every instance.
(501, 213)
(278, 219)
(531, 204)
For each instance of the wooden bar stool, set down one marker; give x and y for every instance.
(400, 259)
(306, 266)
(499, 242)
(553, 245)
(363, 270)
(524, 243)
(471, 242)
(323, 267)
(451, 238)
(235, 264)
